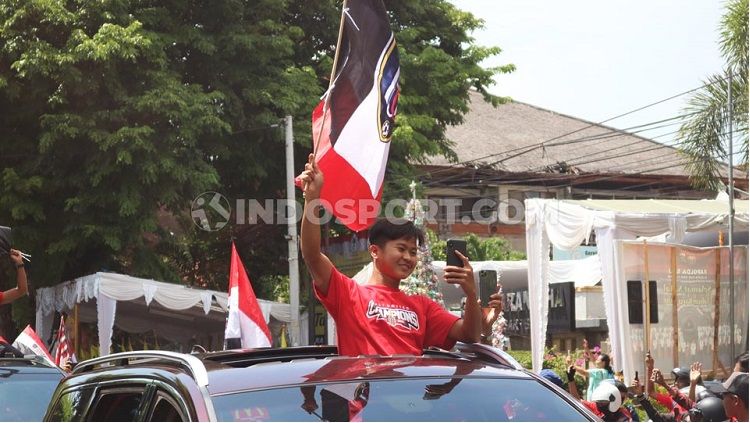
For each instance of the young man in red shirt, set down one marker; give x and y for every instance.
(377, 317)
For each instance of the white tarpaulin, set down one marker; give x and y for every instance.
(566, 224)
(110, 288)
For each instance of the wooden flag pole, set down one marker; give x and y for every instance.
(333, 76)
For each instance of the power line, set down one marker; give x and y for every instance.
(531, 148)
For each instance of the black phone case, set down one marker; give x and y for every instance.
(487, 286)
(451, 259)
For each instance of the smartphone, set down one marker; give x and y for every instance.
(636, 375)
(451, 259)
(487, 286)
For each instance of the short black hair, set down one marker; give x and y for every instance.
(742, 360)
(385, 230)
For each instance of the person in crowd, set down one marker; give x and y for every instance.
(675, 400)
(740, 363)
(377, 317)
(734, 395)
(21, 288)
(595, 376)
(606, 403)
(553, 377)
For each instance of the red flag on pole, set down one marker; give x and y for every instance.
(28, 342)
(63, 349)
(353, 124)
(246, 327)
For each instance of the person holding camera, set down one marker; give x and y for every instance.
(377, 317)
(21, 282)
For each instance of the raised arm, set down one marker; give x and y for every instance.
(469, 328)
(318, 264)
(21, 282)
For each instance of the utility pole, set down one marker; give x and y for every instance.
(291, 237)
(731, 214)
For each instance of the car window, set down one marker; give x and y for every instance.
(25, 396)
(165, 410)
(457, 399)
(71, 406)
(117, 405)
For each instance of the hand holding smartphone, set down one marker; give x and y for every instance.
(453, 245)
(487, 286)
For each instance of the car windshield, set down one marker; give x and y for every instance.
(457, 399)
(24, 396)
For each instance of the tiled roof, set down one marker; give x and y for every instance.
(509, 137)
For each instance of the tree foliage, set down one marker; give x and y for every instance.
(117, 114)
(478, 249)
(704, 135)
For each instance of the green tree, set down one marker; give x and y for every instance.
(478, 249)
(704, 133)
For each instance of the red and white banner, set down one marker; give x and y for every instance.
(353, 124)
(28, 342)
(246, 327)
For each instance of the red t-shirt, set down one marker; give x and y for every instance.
(375, 319)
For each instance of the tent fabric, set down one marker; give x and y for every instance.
(116, 287)
(567, 223)
(584, 273)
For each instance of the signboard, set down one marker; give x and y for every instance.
(692, 321)
(320, 320)
(561, 317)
(581, 252)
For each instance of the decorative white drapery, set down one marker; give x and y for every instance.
(109, 288)
(567, 223)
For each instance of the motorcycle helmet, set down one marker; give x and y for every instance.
(711, 408)
(608, 392)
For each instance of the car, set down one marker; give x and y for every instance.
(474, 382)
(27, 383)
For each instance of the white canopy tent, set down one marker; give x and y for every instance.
(568, 223)
(176, 304)
(513, 275)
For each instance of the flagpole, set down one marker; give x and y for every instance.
(294, 332)
(333, 76)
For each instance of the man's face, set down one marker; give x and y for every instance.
(397, 259)
(732, 404)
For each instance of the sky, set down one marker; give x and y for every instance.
(597, 59)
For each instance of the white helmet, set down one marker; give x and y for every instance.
(608, 392)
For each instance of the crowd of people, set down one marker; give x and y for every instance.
(687, 398)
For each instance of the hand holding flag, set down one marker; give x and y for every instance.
(311, 179)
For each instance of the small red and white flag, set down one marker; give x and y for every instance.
(63, 351)
(28, 342)
(353, 124)
(246, 327)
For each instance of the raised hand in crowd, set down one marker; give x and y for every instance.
(658, 378)
(649, 372)
(490, 315)
(21, 283)
(695, 376)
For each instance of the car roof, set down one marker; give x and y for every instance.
(223, 379)
(28, 365)
(225, 371)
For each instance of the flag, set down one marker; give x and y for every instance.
(353, 123)
(246, 327)
(29, 343)
(63, 351)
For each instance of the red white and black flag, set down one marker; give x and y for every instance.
(353, 124)
(246, 327)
